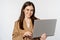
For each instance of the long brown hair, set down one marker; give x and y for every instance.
(22, 16)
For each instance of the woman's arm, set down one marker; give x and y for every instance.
(17, 32)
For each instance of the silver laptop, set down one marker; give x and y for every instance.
(44, 26)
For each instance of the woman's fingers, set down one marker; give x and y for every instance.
(27, 34)
(42, 39)
(43, 36)
(24, 35)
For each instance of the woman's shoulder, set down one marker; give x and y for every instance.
(16, 21)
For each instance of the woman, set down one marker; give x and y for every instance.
(23, 27)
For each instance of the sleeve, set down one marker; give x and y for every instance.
(17, 32)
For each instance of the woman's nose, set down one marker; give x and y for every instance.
(29, 12)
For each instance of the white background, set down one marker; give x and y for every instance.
(10, 12)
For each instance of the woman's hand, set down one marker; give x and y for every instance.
(43, 36)
(27, 34)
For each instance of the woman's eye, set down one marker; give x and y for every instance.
(27, 9)
(31, 10)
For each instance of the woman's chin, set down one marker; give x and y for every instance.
(28, 16)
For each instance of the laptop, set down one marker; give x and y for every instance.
(44, 26)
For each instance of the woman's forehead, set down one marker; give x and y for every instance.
(29, 7)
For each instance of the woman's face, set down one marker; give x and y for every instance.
(28, 11)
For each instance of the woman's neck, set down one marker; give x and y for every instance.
(26, 18)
